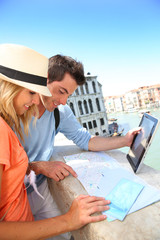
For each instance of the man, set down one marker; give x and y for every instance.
(64, 76)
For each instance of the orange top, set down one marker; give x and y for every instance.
(15, 161)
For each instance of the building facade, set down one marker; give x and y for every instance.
(143, 97)
(87, 104)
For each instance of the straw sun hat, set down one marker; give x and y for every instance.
(24, 67)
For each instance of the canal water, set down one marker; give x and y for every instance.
(132, 120)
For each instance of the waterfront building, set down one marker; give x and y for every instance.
(109, 104)
(114, 104)
(87, 104)
(132, 100)
(119, 104)
(157, 94)
(150, 96)
(143, 97)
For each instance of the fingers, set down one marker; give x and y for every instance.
(131, 134)
(55, 178)
(96, 204)
(97, 218)
(70, 169)
(99, 202)
(97, 208)
(64, 172)
(93, 204)
(59, 170)
(136, 130)
(93, 199)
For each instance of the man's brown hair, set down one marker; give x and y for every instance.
(59, 65)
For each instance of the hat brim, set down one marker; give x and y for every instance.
(35, 88)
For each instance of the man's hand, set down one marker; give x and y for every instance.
(56, 170)
(130, 135)
(83, 207)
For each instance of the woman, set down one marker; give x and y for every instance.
(23, 74)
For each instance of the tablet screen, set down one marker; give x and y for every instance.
(142, 141)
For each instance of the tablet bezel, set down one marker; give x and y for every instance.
(136, 167)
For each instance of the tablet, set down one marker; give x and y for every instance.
(142, 141)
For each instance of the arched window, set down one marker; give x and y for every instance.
(98, 105)
(94, 87)
(77, 92)
(72, 107)
(90, 105)
(86, 86)
(102, 121)
(82, 90)
(80, 107)
(85, 125)
(90, 125)
(94, 123)
(85, 106)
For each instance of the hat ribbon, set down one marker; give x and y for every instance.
(22, 76)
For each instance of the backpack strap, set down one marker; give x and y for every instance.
(57, 117)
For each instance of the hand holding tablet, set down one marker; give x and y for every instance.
(142, 141)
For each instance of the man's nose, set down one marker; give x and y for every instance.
(63, 100)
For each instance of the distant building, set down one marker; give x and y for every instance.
(87, 104)
(132, 100)
(150, 95)
(119, 104)
(110, 104)
(143, 97)
(114, 104)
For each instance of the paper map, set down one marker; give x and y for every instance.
(89, 167)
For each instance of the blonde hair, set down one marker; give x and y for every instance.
(8, 91)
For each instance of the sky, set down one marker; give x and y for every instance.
(116, 40)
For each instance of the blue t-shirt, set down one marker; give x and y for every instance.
(39, 144)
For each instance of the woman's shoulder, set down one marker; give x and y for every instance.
(5, 128)
(7, 135)
(3, 124)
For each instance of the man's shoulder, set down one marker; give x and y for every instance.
(62, 108)
(66, 115)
